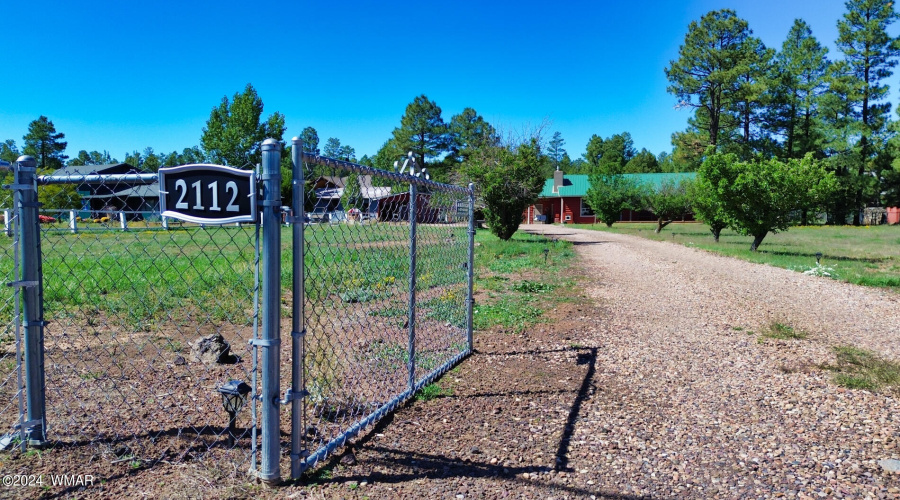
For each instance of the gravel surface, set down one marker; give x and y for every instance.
(644, 383)
(652, 387)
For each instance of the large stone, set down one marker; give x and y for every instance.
(890, 464)
(212, 349)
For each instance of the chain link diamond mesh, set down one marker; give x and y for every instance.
(137, 315)
(360, 333)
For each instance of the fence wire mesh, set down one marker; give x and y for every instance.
(361, 331)
(137, 316)
(10, 347)
(138, 309)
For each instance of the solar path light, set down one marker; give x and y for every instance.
(234, 394)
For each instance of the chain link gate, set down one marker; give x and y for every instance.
(114, 314)
(385, 262)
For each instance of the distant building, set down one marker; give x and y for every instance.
(562, 199)
(108, 198)
(329, 190)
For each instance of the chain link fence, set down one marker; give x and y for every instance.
(138, 322)
(138, 312)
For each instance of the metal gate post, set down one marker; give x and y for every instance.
(413, 194)
(270, 339)
(470, 298)
(33, 295)
(298, 330)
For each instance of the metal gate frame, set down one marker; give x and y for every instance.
(30, 313)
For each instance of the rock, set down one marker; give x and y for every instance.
(180, 361)
(348, 458)
(212, 349)
(890, 464)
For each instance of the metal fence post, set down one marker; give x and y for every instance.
(31, 282)
(123, 223)
(413, 194)
(7, 223)
(298, 330)
(270, 340)
(73, 224)
(470, 298)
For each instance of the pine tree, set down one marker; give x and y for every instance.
(422, 130)
(798, 83)
(870, 56)
(716, 71)
(46, 144)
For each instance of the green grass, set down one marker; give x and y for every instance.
(432, 391)
(518, 302)
(865, 255)
(857, 368)
(781, 331)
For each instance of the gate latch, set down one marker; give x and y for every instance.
(290, 395)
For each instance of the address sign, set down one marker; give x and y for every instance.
(207, 194)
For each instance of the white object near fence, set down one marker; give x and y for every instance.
(73, 224)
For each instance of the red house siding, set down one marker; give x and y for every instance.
(571, 207)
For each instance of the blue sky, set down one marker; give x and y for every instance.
(124, 75)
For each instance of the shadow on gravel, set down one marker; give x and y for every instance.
(583, 243)
(437, 466)
(584, 358)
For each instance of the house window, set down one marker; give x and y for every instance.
(585, 209)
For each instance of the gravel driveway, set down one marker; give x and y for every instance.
(653, 386)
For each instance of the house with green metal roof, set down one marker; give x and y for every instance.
(562, 199)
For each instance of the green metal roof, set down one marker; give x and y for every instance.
(578, 185)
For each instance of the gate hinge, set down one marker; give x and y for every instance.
(264, 342)
(19, 187)
(300, 456)
(31, 204)
(41, 324)
(290, 395)
(294, 220)
(298, 335)
(28, 424)
(269, 203)
(23, 284)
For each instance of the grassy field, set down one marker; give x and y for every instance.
(513, 276)
(867, 255)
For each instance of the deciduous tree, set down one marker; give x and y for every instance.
(758, 197)
(234, 132)
(610, 194)
(310, 141)
(668, 201)
(509, 179)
